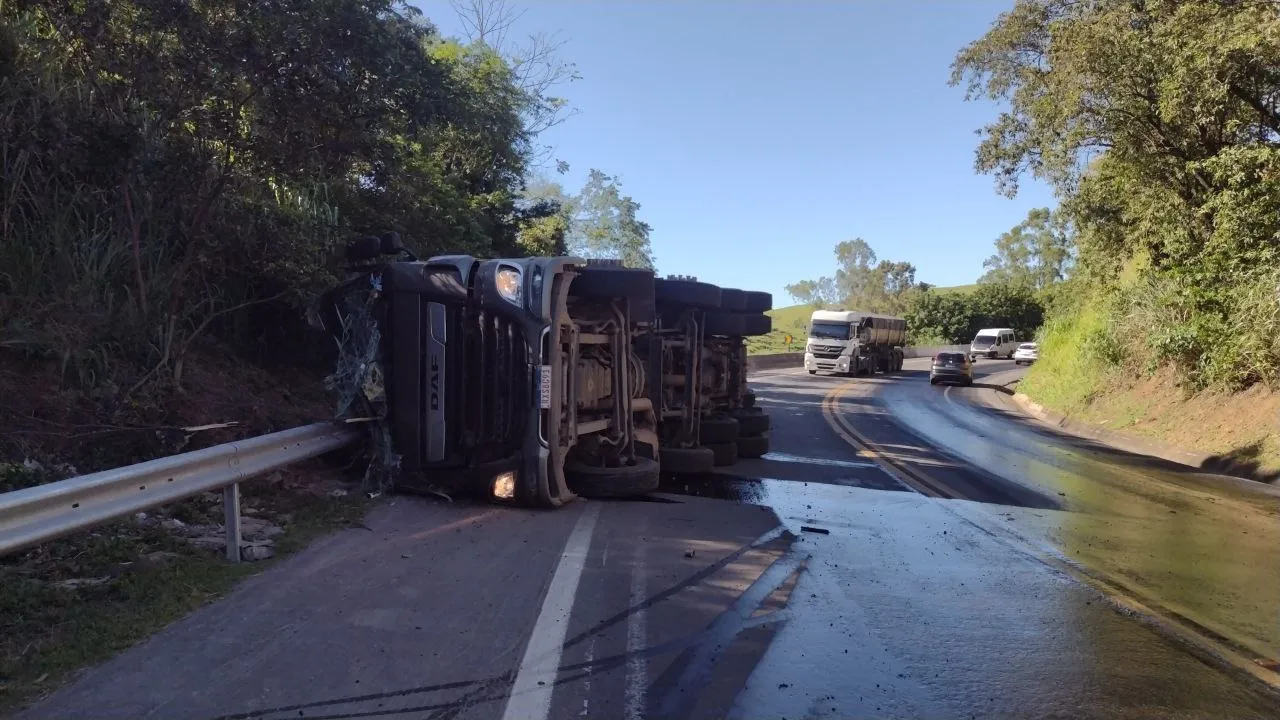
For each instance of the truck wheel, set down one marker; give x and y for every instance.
(751, 424)
(757, 325)
(753, 447)
(723, 324)
(612, 482)
(612, 282)
(691, 461)
(725, 453)
(687, 292)
(718, 430)
(733, 300)
(759, 301)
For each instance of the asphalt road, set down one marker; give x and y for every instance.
(822, 581)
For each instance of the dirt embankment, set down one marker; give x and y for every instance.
(1240, 430)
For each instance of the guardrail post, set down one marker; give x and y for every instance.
(231, 509)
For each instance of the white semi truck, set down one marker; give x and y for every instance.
(853, 342)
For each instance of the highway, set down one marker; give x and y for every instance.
(904, 551)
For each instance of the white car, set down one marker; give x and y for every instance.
(1026, 354)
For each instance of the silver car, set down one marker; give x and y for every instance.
(953, 367)
(1026, 354)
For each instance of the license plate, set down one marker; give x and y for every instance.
(544, 387)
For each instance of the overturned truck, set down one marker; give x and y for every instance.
(534, 380)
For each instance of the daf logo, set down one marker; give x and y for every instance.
(435, 382)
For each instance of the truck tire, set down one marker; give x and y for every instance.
(751, 424)
(753, 447)
(687, 292)
(687, 461)
(757, 324)
(726, 324)
(718, 430)
(725, 453)
(612, 282)
(733, 300)
(758, 301)
(613, 482)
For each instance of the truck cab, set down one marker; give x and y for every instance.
(853, 342)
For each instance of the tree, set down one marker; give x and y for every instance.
(860, 281)
(820, 293)
(1158, 123)
(953, 318)
(945, 318)
(204, 161)
(603, 223)
(536, 66)
(545, 225)
(1036, 252)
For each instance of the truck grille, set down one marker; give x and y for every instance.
(495, 385)
(459, 383)
(827, 351)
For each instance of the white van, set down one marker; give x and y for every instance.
(993, 343)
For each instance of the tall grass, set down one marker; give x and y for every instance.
(1076, 353)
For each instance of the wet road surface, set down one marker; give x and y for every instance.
(807, 584)
(1205, 548)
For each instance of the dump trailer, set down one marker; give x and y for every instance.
(513, 378)
(853, 342)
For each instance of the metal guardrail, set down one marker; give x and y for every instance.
(38, 514)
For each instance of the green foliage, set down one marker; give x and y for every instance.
(820, 293)
(1158, 123)
(861, 282)
(941, 318)
(1036, 252)
(1067, 373)
(603, 223)
(792, 320)
(170, 167)
(952, 318)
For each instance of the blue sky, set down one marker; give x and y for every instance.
(757, 135)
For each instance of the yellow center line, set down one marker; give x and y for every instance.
(894, 467)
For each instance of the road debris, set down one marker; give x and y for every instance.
(811, 529)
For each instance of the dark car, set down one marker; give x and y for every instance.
(952, 367)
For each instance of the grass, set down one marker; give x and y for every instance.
(1065, 378)
(793, 320)
(1074, 377)
(958, 289)
(48, 631)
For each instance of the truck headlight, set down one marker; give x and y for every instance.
(504, 486)
(510, 282)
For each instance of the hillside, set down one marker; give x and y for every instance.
(794, 320)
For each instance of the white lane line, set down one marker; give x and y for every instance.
(530, 697)
(637, 636)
